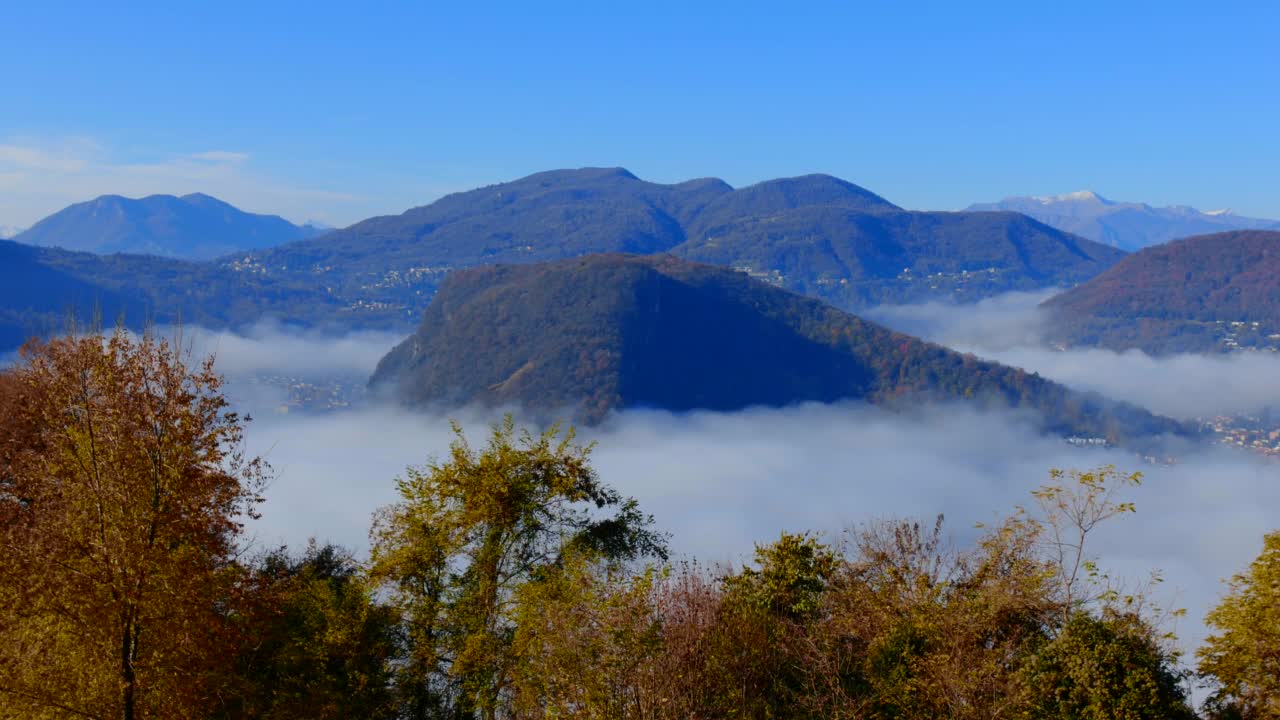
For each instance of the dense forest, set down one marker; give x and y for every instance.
(605, 332)
(1199, 294)
(511, 581)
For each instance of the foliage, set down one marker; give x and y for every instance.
(468, 534)
(1243, 656)
(323, 646)
(893, 624)
(789, 578)
(1104, 668)
(585, 640)
(505, 583)
(1071, 508)
(123, 492)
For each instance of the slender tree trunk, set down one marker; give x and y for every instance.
(126, 671)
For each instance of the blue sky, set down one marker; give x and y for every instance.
(341, 111)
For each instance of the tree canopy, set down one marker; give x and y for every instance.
(1243, 655)
(123, 493)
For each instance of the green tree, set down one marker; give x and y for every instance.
(1243, 656)
(755, 666)
(468, 533)
(323, 646)
(789, 576)
(1105, 668)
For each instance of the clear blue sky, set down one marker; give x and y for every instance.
(340, 111)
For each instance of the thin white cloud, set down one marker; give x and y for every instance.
(220, 156)
(269, 347)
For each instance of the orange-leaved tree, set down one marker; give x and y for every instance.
(123, 488)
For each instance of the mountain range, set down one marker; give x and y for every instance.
(813, 234)
(605, 332)
(1209, 293)
(193, 227)
(1126, 225)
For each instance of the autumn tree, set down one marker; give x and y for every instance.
(1070, 509)
(756, 661)
(586, 639)
(467, 534)
(122, 491)
(322, 648)
(1242, 657)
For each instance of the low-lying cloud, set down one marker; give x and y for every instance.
(1009, 329)
(270, 348)
(720, 482)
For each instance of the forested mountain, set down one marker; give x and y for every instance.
(813, 234)
(1126, 225)
(195, 227)
(36, 298)
(1206, 293)
(856, 259)
(604, 332)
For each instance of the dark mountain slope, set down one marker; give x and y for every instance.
(775, 196)
(1205, 293)
(36, 299)
(855, 259)
(598, 333)
(546, 216)
(192, 226)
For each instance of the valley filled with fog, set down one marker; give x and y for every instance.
(720, 482)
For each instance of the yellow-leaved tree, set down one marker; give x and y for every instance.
(122, 489)
(1243, 656)
(467, 535)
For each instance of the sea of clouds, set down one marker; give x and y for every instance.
(720, 482)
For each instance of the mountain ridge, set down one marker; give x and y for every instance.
(794, 230)
(814, 234)
(194, 226)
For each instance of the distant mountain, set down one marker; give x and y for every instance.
(8, 231)
(196, 227)
(1210, 293)
(1126, 225)
(604, 332)
(815, 234)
